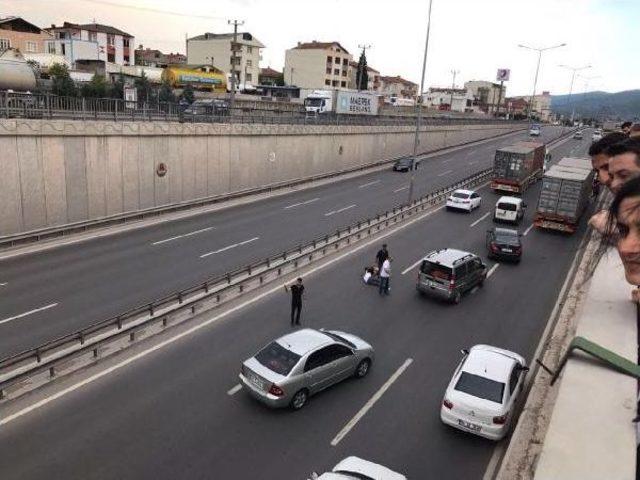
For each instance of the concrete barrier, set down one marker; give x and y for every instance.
(59, 172)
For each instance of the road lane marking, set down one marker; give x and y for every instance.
(160, 242)
(229, 247)
(234, 390)
(528, 230)
(492, 269)
(401, 189)
(367, 406)
(30, 312)
(445, 173)
(411, 267)
(302, 203)
(333, 212)
(480, 219)
(369, 184)
(3, 284)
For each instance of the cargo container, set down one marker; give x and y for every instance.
(518, 166)
(344, 102)
(565, 194)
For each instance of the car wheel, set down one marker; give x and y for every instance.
(481, 282)
(363, 368)
(456, 298)
(299, 400)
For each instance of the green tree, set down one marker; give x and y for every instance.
(279, 81)
(145, 91)
(96, 88)
(362, 75)
(188, 94)
(62, 83)
(166, 92)
(117, 88)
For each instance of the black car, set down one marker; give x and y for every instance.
(404, 165)
(504, 244)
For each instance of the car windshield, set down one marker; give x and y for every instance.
(435, 270)
(480, 387)
(339, 338)
(508, 206)
(507, 237)
(460, 195)
(313, 102)
(277, 358)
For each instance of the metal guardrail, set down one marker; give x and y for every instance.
(41, 364)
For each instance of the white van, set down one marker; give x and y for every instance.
(509, 209)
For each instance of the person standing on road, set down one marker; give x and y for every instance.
(382, 255)
(297, 290)
(385, 274)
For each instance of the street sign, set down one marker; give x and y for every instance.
(503, 75)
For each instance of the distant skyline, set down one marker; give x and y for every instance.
(473, 37)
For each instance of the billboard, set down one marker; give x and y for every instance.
(357, 103)
(503, 75)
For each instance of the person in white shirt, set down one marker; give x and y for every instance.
(385, 274)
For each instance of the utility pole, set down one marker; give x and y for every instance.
(234, 46)
(416, 139)
(364, 51)
(573, 76)
(453, 86)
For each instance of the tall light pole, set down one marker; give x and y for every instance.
(416, 139)
(453, 86)
(364, 51)
(234, 47)
(573, 76)
(535, 80)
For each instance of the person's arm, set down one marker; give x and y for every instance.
(600, 221)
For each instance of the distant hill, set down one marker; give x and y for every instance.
(621, 105)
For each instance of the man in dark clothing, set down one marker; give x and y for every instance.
(297, 289)
(381, 256)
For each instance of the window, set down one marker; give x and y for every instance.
(327, 82)
(336, 352)
(344, 73)
(4, 44)
(249, 49)
(343, 84)
(125, 42)
(328, 70)
(126, 59)
(329, 59)
(32, 47)
(345, 61)
(249, 63)
(111, 57)
(338, 60)
(111, 39)
(277, 358)
(247, 77)
(93, 36)
(51, 47)
(334, 83)
(317, 359)
(480, 387)
(336, 71)
(436, 270)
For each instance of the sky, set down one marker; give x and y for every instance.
(475, 37)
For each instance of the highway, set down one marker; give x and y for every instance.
(48, 294)
(177, 413)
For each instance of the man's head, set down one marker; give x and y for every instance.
(599, 157)
(624, 162)
(626, 128)
(299, 281)
(624, 228)
(384, 246)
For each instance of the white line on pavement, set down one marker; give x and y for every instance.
(369, 184)
(401, 189)
(159, 242)
(480, 219)
(333, 212)
(3, 284)
(229, 247)
(367, 406)
(234, 390)
(302, 203)
(445, 173)
(46, 307)
(528, 229)
(492, 269)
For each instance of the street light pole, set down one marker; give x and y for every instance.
(234, 45)
(416, 139)
(535, 80)
(573, 76)
(453, 85)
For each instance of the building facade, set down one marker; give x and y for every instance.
(148, 57)
(91, 41)
(541, 105)
(318, 65)
(269, 76)
(217, 49)
(450, 99)
(15, 32)
(373, 83)
(487, 96)
(398, 87)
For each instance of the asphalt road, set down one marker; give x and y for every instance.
(51, 293)
(169, 415)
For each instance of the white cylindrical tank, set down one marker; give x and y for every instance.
(15, 72)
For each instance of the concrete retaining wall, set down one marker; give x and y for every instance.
(57, 172)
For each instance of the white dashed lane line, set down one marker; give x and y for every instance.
(234, 390)
(229, 247)
(480, 219)
(528, 229)
(30, 312)
(492, 270)
(369, 184)
(302, 203)
(333, 212)
(160, 242)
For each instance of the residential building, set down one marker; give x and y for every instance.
(541, 105)
(516, 106)
(148, 57)
(217, 49)
(373, 83)
(398, 87)
(486, 95)
(317, 65)
(269, 76)
(15, 32)
(453, 99)
(91, 41)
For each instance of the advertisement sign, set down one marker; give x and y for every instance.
(503, 75)
(357, 103)
(130, 97)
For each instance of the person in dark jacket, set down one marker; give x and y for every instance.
(382, 255)
(297, 291)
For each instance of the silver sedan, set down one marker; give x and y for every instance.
(290, 369)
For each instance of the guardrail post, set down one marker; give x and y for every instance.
(38, 356)
(1, 394)
(132, 336)
(52, 372)
(180, 297)
(228, 278)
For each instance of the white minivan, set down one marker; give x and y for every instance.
(509, 209)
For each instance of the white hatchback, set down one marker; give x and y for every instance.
(352, 468)
(483, 392)
(463, 200)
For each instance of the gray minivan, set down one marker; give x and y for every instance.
(448, 273)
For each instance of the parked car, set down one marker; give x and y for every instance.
(404, 165)
(448, 273)
(467, 200)
(354, 468)
(534, 131)
(504, 244)
(578, 135)
(483, 392)
(597, 135)
(290, 369)
(509, 209)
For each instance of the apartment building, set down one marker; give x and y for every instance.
(317, 65)
(91, 41)
(15, 32)
(450, 99)
(541, 105)
(373, 83)
(398, 87)
(486, 94)
(148, 57)
(218, 49)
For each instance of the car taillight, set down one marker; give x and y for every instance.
(447, 403)
(501, 420)
(276, 390)
(494, 247)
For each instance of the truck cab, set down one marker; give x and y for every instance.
(319, 102)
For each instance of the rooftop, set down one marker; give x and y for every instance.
(490, 362)
(302, 341)
(92, 27)
(269, 72)
(10, 23)
(315, 45)
(242, 36)
(398, 79)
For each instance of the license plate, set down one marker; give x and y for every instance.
(256, 381)
(507, 250)
(470, 426)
